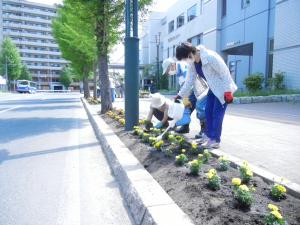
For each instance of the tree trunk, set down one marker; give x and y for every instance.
(95, 80)
(106, 103)
(86, 89)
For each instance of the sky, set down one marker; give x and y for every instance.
(159, 5)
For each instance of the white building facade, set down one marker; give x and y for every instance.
(252, 36)
(28, 24)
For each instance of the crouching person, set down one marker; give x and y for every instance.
(159, 109)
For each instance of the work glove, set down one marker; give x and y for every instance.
(148, 125)
(159, 125)
(228, 97)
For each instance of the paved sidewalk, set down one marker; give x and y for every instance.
(265, 134)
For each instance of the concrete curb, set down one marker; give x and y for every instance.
(266, 99)
(292, 188)
(147, 201)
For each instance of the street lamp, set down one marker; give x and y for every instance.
(157, 41)
(131, 65)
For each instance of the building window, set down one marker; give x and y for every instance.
(196, 40)
(245, 3)
(171, 26)
(180, 20)
(224, 7)
(168, 52)
(191, 13)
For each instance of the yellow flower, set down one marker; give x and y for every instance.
(273, 207)
(194, 145)
(177, 157)
(183, 150)
(276, 214)
(281, 188)
(206, 151)
(244, 187)
(200, 155)
(236, 181)
(249, 173)
(210, 175)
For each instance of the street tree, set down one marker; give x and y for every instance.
(76, 40)
(66, 77)
(10, 60)
(25, 73)
(107, 18)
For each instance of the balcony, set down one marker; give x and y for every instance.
(24, 34)
(23, 18)
(26, 10)
(31, 67)
(28, 27)
(32, 43)
(46, 60)
(42, 52)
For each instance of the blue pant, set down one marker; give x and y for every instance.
(214, 112)
(200, 108)
(113, 94)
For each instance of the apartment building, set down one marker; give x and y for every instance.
(28, 24)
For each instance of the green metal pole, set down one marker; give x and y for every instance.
(131, 68)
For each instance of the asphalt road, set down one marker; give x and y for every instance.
(52, 169)
(265, 134)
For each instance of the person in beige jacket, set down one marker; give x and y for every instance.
(211, 67)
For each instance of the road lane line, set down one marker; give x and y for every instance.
(5, 110)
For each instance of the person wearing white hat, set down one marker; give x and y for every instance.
(159, 108)
(180, 69)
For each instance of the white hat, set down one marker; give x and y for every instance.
(166, 63)
(157, 100)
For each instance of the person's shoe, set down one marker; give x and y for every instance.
(210, 144)
(200, 135)
(203, 139)
(183, 129)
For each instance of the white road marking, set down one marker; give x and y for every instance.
(5, 110)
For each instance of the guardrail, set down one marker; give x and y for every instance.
(54, 91)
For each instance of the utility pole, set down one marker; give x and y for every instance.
(157, 41)
(131, 65)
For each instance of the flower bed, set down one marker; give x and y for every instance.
(212, 196)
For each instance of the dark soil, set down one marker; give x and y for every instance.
(206, 207)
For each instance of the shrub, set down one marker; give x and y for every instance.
(214, 181)
(254, 82)
(278, 191)
(274, 217)
(206, 156)
(223, 163)
(158, 145)
(181, 159)
(277, 82)
(243, 195)
(195, 166)
(246, 172)
(194, 148)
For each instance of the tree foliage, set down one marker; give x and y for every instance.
(66, 77)
(10, 56)
(76, 39)
(107, 16)
(25, 73)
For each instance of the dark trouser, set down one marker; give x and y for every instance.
(214, 112)
(160, 115)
